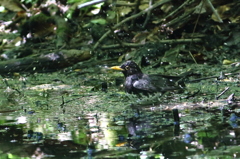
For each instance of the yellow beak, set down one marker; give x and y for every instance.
(117, 68)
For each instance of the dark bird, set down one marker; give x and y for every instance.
(136, 82)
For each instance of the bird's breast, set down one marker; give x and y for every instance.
(129, 84)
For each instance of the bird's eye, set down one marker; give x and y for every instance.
(127, 67)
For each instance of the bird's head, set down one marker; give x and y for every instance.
(128, 68)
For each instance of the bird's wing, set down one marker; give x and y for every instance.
(155, 83)
(166, 83)
(144, 84)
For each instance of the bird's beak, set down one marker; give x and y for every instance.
(117, 68)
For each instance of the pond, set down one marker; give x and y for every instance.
(69, 115)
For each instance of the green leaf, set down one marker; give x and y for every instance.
(99, 21)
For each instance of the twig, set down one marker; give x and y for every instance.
(180, 18)
(199, 79)
(180, 7)
(130, 18)
(62, 102)
(123, 3)
(204, 78)
(90, 3)
(175, 41)
(223, 92)
(172, 13)
(214, 11)
(148, 14)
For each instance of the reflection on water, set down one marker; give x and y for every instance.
(139, 133)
